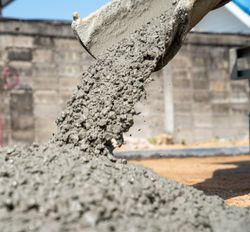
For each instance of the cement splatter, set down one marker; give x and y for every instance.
(74, 184)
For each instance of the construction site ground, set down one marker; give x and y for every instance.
(227, 177)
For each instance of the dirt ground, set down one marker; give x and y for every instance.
(227, 177)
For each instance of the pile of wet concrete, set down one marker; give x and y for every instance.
(58, 188)
(73, 183)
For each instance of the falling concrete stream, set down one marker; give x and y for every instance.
(73, 182)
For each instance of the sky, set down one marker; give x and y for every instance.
(51, 9)
(63, 9)
(244, 4)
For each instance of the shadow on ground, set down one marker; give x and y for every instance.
(228, 183)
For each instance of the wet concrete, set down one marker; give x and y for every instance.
(102, 107)
(73, 183)
(51, 188)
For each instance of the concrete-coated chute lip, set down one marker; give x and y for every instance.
(114, 21)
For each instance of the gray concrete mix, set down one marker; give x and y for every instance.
(73, 183)
(51, 188)
(102, 108)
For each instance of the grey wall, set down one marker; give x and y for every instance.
(196, 97)
(49, 62)
(193, 98)
(207, 104)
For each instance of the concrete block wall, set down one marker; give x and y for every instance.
(192, 99)
(207, 104)
(49, 63)
(198, 101)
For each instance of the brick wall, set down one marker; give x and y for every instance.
(193, 98)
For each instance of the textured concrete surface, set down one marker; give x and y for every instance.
(50, 188)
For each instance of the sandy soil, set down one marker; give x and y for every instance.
(227, 177)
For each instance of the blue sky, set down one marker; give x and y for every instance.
(62, 9)
(51, 9)
(244, 5)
